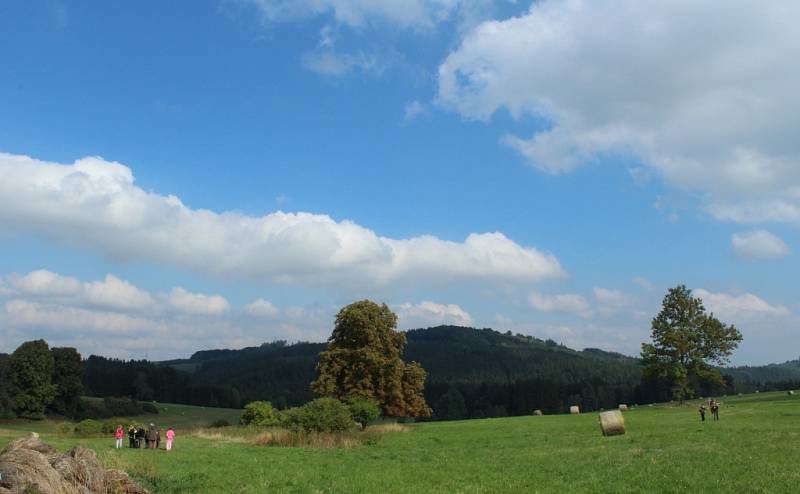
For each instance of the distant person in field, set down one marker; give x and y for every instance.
(702, 411)
(158, 438)
(132, 436)
(170, 438)
(715, 410)
(118, 435)
(151, 436)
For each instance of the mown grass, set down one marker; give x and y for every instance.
(755, 447)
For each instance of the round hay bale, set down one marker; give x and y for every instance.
(26, 470)
(623, 407)
(538, 413)
(612, 423)
(80, 467)
(574, 409)
(790, 392)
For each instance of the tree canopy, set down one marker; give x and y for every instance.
(686, 341)
(363, 359)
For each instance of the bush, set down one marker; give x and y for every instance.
(121, 406)
(294, 418)
(219, 423)
(89, 426)
(149, 408)
(65, 428)
(320, 415)
(92, 409)
(364, 410)
(260, 413)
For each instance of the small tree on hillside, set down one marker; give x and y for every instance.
(686, 341)
(363, 359)
(31, 371)
(260, 413)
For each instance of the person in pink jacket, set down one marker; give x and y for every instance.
(170, 437)
(118, 435)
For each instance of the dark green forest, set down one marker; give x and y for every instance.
(471, 373)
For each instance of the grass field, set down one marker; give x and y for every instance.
(755, 447)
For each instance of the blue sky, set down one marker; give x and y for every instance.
(188, 175)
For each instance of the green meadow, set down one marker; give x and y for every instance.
(755, 447)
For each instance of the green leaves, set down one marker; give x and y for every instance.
(363, 360)
(685, 341)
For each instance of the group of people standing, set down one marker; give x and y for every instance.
(139, 437)
(713, 406)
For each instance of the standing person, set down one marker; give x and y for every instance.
(151, 436)
(715, 411)
(132, 436)
(118, 435)
(702, 411)
(158, 438)
(170, 437)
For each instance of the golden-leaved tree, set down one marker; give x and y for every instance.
(363, 359)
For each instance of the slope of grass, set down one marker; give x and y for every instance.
(753, 448)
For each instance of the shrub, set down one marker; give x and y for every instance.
(149, 408)
(364, 410)
(219, 423)
(259, 413)
(65, 428)
(122, 406)
(320, 415)
(294, 418)
(89, 426)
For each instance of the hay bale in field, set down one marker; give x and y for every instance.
(612, 423)
(538, 412)
(29, 465)
(790, 392)
(575, 409)
(623, 407)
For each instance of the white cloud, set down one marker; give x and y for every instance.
(703, 93)
(414, 14)
(426, 314)
(730, 307)
(114, 292)
(336, 64)
(759, 244)
(46, 283)
(94, 203)
(643, 283)
(613, 298)
(566, 302)
(111, 292)
(197, 303)
(261, 308)
(414, 110)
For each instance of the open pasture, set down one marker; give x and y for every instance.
(755, 447)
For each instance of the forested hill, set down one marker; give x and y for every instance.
(471, 373)
(492, 373)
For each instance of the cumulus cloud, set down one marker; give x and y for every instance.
(336, 64)
(426, 314)
(731, 307)
(197, 303)
(261, 308)
(414, 110)
(566, 302)
(759, 244)
(110, 292)
(95, 204)
(704, 94)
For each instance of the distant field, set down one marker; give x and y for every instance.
(755, 447)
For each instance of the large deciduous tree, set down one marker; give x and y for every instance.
(363, 359)
(67, 373)
(31, 371)
(686, 341)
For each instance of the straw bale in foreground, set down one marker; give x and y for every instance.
(612, 423)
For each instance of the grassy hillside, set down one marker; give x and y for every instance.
(753, 448)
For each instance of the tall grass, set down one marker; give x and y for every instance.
(277, 437)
